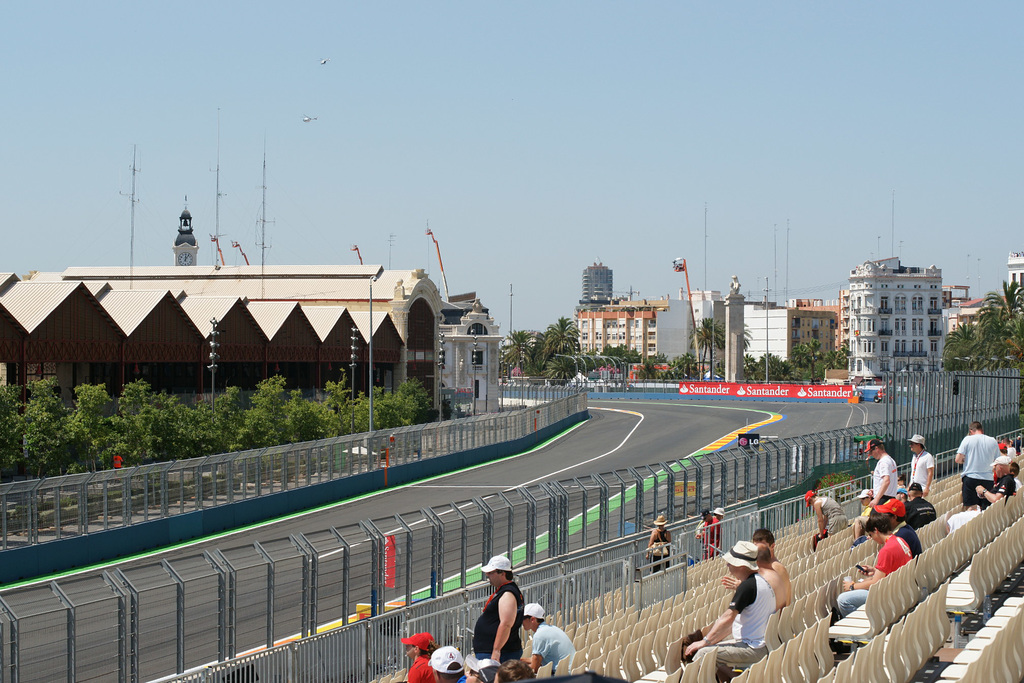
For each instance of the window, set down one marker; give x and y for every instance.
(478, 357)
(477, 329)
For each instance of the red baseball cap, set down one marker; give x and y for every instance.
(893, 506)
(809, 497)
(420, 640)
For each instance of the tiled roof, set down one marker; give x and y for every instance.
(129, 309)
(271, 315)
(323, 318)
(31, 303)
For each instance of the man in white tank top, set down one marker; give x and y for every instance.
(738, 635)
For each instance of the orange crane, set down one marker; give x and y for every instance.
(444, 280)
(355, 248)
(679, 265)
(216, 240)
(239, 246)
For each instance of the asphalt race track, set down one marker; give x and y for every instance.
(618, 435)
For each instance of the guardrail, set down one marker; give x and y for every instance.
(140, 622)
(55, 508)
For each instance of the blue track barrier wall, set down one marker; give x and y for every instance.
(665, 396)
(44, 559)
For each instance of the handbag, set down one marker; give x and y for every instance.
(658, 550)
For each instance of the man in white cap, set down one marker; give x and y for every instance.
(447, 663)
(1004, 484)
(550, 643)
(746, 618)
(922, 467)
(496, 634)
(481, 670)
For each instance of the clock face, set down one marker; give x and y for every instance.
(184, 259)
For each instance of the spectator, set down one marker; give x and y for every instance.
(897, 513)
(883, 479)
(513, 670)
(919, 510)
(765, 539)
(550, 644)
(710, 532)
(831, 518)
(954, 522)
(858, 522)
(892, 555)
(419, 647)
(481, 670)
(746, 618)
(1003, 486)
(447, 663)
(1015, 471)
(901, 494)
(922, 467)
(976, 453)
(659, 545)
(496, 634)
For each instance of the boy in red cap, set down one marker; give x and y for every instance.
(419, 647)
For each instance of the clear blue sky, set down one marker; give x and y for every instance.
(536, 138)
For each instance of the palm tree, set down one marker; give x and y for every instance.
(562, 336)
(518, 347)
(685, 366)
(560, 367)
(752, 367)
(813, 353)
(1001, 308)
(708, 336)
(647, 370)
(963, 347)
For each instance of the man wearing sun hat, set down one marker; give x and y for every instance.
(496, 634)
(922, 467)
(738, 635)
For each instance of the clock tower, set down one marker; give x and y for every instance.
(185, 247)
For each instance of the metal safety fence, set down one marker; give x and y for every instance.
(54, 508)
(248, 604)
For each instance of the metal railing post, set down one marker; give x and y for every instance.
(271, 589)
(15, 641)
(436, 551)
(487, 544)
(179, 613)
(310, 581)
(72, 641)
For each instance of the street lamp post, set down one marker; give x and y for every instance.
(472, 360)
(766, 329)
(370, 387)
(355, 337)
(214, 357)
(440, 375)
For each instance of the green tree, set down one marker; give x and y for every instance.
(647, 371)
(47, 440)
(135, 425)
(308, 420)
(10, 425)
(560, 367)
(89, 428)
(519, 348)
(562, 336)
(709, 339)
(685, 366)
(264, 423)
(628, 355)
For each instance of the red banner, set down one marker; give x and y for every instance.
(389, 561)
(800, 392)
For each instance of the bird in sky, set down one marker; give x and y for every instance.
(324, 60)
(307, 119)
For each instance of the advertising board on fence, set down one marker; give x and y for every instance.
(791, 392)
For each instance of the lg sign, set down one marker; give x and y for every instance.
(749, 440)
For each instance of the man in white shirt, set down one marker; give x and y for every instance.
(922, 468)
(959, 519)
(976, 453)
(883, 478)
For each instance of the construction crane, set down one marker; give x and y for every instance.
(239, 246)
(679, 265)
(216, 240)
(355, 248)
(444, 280)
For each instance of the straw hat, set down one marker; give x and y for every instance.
(660, 521)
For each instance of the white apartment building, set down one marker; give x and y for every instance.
(895, 318)
(649, 326)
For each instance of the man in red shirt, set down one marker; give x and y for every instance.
(893, 554)
(710, 532)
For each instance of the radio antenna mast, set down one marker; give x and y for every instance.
(263, 224)
(131, 235)
(216, 214)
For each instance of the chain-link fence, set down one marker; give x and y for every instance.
(577, 538)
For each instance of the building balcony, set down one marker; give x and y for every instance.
(934, 333)
(885, 310)
(885, 333)
(934, 311)
(914, 354)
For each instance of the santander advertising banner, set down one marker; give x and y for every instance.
(792, 392)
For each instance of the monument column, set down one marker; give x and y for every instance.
(734, 333)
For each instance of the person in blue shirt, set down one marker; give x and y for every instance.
(550, 643)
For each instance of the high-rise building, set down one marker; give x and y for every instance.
(597, 286)
(895, 315)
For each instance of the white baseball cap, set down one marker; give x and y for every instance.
(496, 563)
(719, 512)
(533, 610)
(447, 660)
(866, 493)
(1002, 460)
